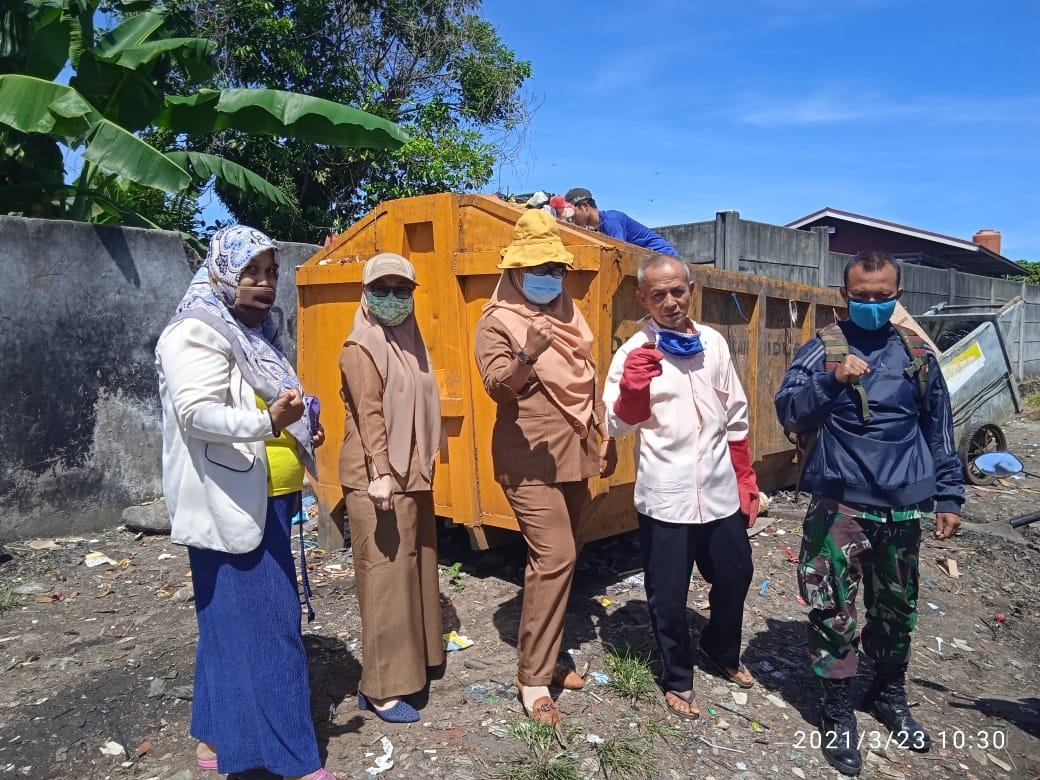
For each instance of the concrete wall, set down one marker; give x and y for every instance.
(82, 308)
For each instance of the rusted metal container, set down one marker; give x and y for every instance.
(454, 243)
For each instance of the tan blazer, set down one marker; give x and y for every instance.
(364, 454)
(532, 441)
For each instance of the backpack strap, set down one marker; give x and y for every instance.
(836, 349)
(917, 351)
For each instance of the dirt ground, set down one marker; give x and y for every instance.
(96, 662)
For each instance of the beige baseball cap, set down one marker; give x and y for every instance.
(388, 264)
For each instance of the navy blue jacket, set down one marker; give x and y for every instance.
(904, 456)
(617, 224)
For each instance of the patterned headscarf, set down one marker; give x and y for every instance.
(258, 351)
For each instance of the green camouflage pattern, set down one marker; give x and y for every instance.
(840, 552)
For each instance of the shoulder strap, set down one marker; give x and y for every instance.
(836, 349)
(917, 351)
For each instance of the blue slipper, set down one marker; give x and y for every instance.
(402, 712)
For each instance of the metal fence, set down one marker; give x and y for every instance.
(801, 256)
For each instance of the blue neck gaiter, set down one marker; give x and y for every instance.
(679, 344)
(541, 289)
(871, 315)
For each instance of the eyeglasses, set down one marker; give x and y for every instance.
(555, 270)
(403, 292)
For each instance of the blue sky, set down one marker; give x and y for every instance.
(920, 112)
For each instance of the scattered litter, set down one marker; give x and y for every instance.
(112, 749)
(933, 610)
(723, 724)
(802, 601)
(798, 773)
(43, 544)
(962, 644)
(600, 678)
(593, 739)
(949, 566)
(95, 558)
(939, 643)
(741, 766)
(704, 605)
(383, 762)
(603, 600)
(713, 712)
(780, 532)
(1000, 617)
(776, 701)
(931, 582)
(456, 641)
(480, 693)
(762, 587)
(1002, 764)
(788, 552)
(636, 580)
(739, 697)
(143, 748)
(166, 557)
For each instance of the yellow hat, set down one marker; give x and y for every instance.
(536, 240)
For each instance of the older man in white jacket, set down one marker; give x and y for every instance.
(674, 383)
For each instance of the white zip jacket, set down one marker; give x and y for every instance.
(214, 460)
(683, 470)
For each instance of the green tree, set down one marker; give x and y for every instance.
(116, 94)
(1033, 267)
(433, 66)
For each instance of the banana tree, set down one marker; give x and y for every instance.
(112, 96)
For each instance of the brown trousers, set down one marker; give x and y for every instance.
(548, 516)
(395, 562)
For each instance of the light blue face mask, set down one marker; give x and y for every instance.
(871, 315)
(679, 344)
(541, 290)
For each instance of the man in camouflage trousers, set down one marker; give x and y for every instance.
(872, 413)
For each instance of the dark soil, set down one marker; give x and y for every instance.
(105, 654)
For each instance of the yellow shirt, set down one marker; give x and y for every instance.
(284, 467)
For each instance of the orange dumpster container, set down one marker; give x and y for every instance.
(454, 243)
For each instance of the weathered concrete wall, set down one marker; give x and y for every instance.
(82, 309)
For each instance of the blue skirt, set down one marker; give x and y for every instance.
(252, 692)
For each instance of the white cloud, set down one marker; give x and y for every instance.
(834, 106)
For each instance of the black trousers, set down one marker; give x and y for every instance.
(722, 553)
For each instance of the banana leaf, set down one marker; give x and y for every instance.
(252, 186)
(278, 113)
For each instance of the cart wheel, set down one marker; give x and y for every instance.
(987, 438)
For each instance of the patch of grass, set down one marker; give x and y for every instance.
(630, 674)
(658, 728)
(9, 599)
(455, 577)
(625, 756)
(546, 759)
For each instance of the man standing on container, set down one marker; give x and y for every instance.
(615, 224)
(871, 396)
(695, 493)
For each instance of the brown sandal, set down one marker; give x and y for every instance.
(741, 676)
(690, 699)
(569, 679)
(544, 709)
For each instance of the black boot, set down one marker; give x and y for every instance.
(838, 736)
(886, 701)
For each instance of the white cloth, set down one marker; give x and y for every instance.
(214, 459)
(697, 405)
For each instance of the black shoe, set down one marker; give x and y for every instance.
(839, 740)
(886, 701)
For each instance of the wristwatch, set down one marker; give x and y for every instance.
(522, 358)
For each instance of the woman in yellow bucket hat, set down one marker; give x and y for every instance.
(534, 352)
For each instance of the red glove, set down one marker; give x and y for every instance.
(747, 485)
(641, 365)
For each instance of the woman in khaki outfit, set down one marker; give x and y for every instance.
(391, 438)
(534, 352)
